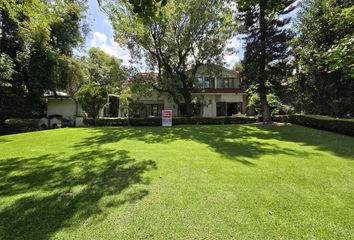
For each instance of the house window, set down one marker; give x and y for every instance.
(228, 82)
(220, 83)
(236, 83)
(156, 109)
(220, 109)
(209, 83)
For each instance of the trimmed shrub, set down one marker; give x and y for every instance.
(6, 129)
(176, 121)
(105, 122)
(19, 125)
(342, 126)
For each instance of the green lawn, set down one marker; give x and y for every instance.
(186, 182)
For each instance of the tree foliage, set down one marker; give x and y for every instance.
(102, 74)
(145, 9)
(105, 70)
(324, 53)
(35, 35)
(92, 99)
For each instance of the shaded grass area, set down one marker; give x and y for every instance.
(330, 118)
(187, 182)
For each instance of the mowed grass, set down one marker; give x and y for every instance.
(185, 182)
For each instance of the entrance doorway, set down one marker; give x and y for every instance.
(113, 107)
(228, 109)
(232, 109)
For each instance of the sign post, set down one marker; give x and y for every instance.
(167, 118)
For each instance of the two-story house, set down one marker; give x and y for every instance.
(219, 92)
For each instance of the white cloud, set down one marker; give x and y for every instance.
(109, 46)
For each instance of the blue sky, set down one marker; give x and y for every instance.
(101, 36)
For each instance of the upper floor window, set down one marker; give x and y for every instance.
(209, 83)
(236, 82)
(228, 83)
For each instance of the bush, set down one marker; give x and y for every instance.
(6, 129)
(18, 126)
(176, 121)
(106, 121)
(92, 98)
(342, 126)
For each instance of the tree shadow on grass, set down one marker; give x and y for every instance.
(237, 142)
(50, 192)
(322, 141)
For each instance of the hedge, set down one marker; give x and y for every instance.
(175, 121)
(11, 126)
(342, 126)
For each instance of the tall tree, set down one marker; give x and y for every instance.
(324, 53)
(263, 23)
(186, 35)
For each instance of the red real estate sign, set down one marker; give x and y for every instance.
(167, 118)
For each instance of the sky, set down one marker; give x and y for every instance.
(101, 36)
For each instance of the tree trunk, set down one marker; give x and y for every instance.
(76, 110)
(187, 95)
(188, 104)
(262, 64)
(264, 103)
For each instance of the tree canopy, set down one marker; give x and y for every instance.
(105, 70)
(187, 35)
(324, 53)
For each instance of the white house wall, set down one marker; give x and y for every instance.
(64, 107)
(209, 109)
(231, 98)
(156, 98)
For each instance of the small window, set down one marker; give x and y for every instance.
(236, 83)
(209, 83)
(156, 109)
(220, 83)
(228, 83)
